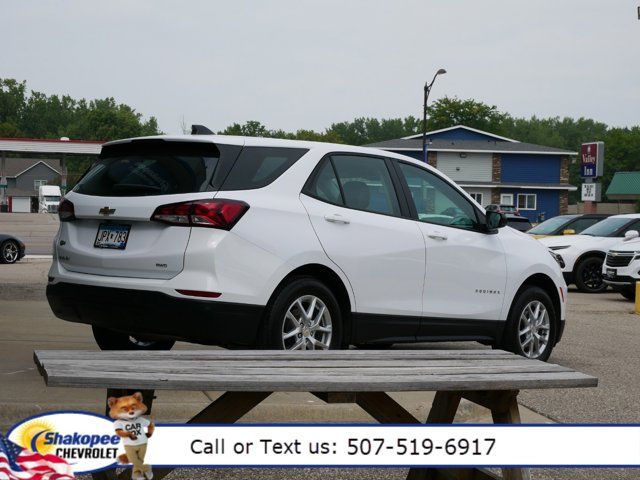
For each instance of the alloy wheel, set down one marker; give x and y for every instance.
(10, 252)
(534, 329)
(592, 275)
(307, 325)
(140, 343)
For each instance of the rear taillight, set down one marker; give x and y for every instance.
(66, 212)
(218, 213)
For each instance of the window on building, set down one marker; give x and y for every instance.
(527, 201)
(506, 199)
(38, 183)
(476, 196)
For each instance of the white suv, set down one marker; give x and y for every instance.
(292, 245)
(621, 269)
(583, 255)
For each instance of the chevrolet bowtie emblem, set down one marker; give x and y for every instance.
(107, 211)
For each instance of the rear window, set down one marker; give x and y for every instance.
(257, 167)
(151, 167)
(522, 224)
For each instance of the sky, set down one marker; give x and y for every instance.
(306, 64)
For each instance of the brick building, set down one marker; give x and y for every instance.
(495, 169)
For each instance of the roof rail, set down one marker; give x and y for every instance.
(200, 130)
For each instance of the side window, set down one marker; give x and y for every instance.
(581, 223)
(634, 226)
(436, 201)
(366, 184)
(257, 167)
(324, 184)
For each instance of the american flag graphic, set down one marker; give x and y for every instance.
(17, 463)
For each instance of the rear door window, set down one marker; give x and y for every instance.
(257, 167)
(150, 167)
(366, 184)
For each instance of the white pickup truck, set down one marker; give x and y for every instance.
(48, 198)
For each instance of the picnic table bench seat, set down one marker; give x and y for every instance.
(490, 378)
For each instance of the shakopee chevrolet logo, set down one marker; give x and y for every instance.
(86, 441)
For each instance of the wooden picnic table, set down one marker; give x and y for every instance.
(490, 378)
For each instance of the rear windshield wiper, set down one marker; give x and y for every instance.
(128, 187)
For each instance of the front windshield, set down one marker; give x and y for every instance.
(49, 198)
(549, 226)
(607, 227)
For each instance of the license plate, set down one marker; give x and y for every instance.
(111, 235)
(611, 273)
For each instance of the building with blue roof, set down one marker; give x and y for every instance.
(496, 169)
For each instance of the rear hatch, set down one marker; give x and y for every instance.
(111, 231)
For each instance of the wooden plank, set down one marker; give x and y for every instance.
(384, 408)
(320, 381)
(214, 370)
(270, 364)
(336, 397)
(494, 401)
(42, 356)
(456, 474)
(506, 410)
(443, 410)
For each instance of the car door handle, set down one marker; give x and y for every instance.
(336, 218)
(437, 236)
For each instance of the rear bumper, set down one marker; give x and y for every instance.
(156, 315)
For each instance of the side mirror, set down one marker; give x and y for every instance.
(569, 231)
(495, 220)
(631, 234)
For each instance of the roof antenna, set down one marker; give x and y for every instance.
(200, 130)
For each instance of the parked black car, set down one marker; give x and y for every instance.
(567, 224)
(502, 208)
(11, 249)
(521, 224)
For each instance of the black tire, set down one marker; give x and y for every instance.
(512, 340)
(588, 275)
(629, 293)
(9, 252)
(112, 340)
(276, 316)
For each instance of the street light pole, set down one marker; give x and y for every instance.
(427, 90)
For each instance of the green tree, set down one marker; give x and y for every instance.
(447, 112)
(36, 114)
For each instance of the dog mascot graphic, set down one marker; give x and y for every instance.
(134, 430)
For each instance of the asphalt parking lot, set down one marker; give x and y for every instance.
(600, 339)
(36, 230)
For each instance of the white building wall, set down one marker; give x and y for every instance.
(486, 194)
(474, 167)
